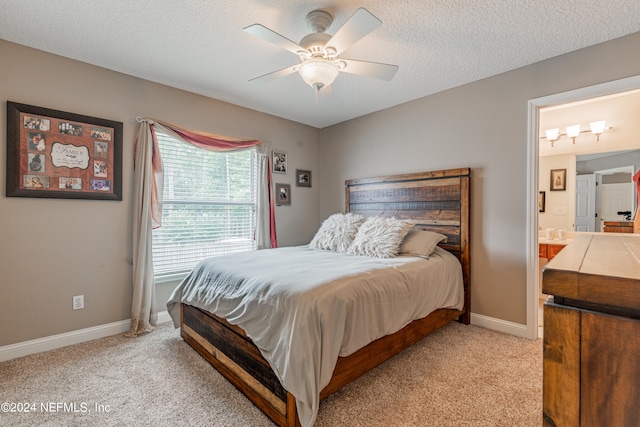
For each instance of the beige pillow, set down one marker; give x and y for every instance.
(337, 232)
(420, 243)
(380, 237)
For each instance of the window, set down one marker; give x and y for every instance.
(208, 208)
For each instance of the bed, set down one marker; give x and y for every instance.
(436, 201)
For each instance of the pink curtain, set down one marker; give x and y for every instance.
(636, 219)
(148, 186)
(210, 141)
(206, 141)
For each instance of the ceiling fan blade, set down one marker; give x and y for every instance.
(271, 36)
(369, 69)
(275, 74)
(359, 25)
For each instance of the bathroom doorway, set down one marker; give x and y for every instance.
(537, 146)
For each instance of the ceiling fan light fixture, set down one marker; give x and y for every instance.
(319, 52)
(330, 52)
(318, 73)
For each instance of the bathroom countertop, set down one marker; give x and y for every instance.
(544, 240)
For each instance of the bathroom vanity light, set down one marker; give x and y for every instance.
(597, 128)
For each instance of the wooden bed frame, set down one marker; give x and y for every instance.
(438, 201)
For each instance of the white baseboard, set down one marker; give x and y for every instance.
(164, 317)
(39, 345)
(500, 325)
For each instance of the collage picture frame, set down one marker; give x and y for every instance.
(56, 154)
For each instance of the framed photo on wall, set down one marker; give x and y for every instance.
(283, 194)
(558, 180)
(541, 201)
(279, 161)
(55, 154)
(303, 178)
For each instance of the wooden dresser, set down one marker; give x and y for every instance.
(591, 367)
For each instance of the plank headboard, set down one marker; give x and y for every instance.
(437, 200)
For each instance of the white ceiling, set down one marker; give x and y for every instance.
(199, 45)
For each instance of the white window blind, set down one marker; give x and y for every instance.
(208, 208)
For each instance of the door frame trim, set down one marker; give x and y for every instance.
(534, 105)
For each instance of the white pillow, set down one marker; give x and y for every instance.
(380, 237)
(337, 232)
(420, 243)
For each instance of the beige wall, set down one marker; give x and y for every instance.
(557, 199)
(53, 249)
(482, 125)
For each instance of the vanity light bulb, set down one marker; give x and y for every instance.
(597, 128)
(552, 135)
(573, 131)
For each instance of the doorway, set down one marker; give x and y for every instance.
(615, 195)
(533, 138)
(602, 195)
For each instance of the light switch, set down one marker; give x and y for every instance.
(560, 211)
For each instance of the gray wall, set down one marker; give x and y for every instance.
(629, 158)
(53, 249)
(482, 125)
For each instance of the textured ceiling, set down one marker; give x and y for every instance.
(199, 45)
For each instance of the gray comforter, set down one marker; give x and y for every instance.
(304, 307)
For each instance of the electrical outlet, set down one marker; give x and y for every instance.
(78, 302)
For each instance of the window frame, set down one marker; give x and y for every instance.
(179, 274)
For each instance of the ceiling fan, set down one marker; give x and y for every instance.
(319, 52)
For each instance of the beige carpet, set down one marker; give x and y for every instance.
(459, 376)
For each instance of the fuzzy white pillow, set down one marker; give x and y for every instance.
(337, 232)
(380, 237)
(420, 243)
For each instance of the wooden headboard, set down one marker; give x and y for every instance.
(437, 200)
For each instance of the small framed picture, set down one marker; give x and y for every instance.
(541, 201)
(279, 161)
(558, 180)
(283, 194)
(303, 178)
